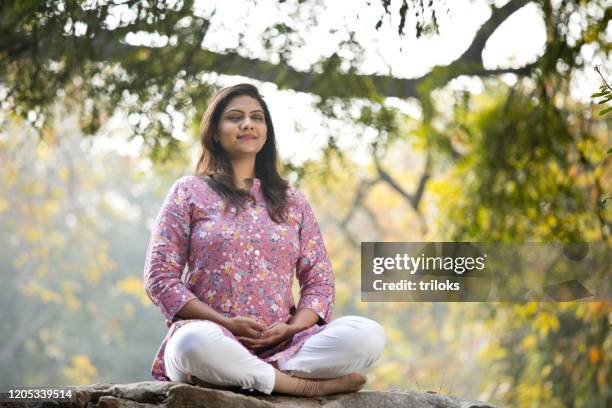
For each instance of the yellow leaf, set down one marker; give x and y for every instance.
(21, 260)
(601, 378)
(42, 152)
(57, 239)
(128, 310)
(389, 371)
(42, 270)
(594, 355)
(93, 274)
(393, 335)
(3, 204)
(31, 234)
(493, 352)
(81, 371)
(44, 294)
(50, 208)
(72, 302)
(529, 342)
(63, 174)
(133, 286)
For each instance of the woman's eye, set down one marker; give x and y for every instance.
(234, 118)
(258, 118)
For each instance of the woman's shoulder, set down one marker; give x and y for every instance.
(294, 194)
(195, 186)
(295, 197)
(188, 182)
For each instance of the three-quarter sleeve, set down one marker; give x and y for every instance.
(314, 269)
(167, 253)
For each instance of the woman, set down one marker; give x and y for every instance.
(243, 233)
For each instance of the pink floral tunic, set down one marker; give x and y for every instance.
(239, 262)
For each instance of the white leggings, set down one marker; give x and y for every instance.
(346, 345)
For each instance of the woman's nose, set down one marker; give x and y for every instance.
(247, 124)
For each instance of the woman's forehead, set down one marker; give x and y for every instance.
(244, 103)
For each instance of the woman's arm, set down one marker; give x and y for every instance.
(302, 320)
(167, 252)
(314, 269)
(196, 309)
(239, 326)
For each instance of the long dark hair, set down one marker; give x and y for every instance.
(216, 169)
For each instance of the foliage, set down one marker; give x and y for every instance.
(148, 58)
(534, 171)
(604, 93)
(74, 226)
(425, 16)
(538, 186)
(71, 48)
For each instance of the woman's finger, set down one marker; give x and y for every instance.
(246, 341)
(250, 340)
(256, 325)
(258, 343)
(268, 333)
(253, 333)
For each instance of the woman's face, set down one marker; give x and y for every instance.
(242, 127)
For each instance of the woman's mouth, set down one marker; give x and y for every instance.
(247, 137)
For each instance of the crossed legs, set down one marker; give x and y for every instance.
(325, 364)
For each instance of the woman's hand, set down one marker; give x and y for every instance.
(243, 327)
(272, 336)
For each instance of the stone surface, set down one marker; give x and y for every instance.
(149, 394)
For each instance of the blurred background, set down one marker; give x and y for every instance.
(466, 120)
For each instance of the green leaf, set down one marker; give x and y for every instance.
(597, 95)
(604, 111)
(604, 100)
(609, 150)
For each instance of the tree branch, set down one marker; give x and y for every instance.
(413, 199)
(498, 15)
(362, 190)
(108, 45)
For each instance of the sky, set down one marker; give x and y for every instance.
(299, 127)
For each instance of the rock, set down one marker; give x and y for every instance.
(149, 394)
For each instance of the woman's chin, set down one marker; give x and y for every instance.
(244, 153)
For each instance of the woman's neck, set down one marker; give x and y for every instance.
(244, 172)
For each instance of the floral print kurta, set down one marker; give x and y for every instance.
(239, 262)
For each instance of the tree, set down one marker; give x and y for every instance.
(51, 47)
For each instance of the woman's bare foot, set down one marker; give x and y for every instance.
(300, 387)
(306, 387)
(347, 383)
